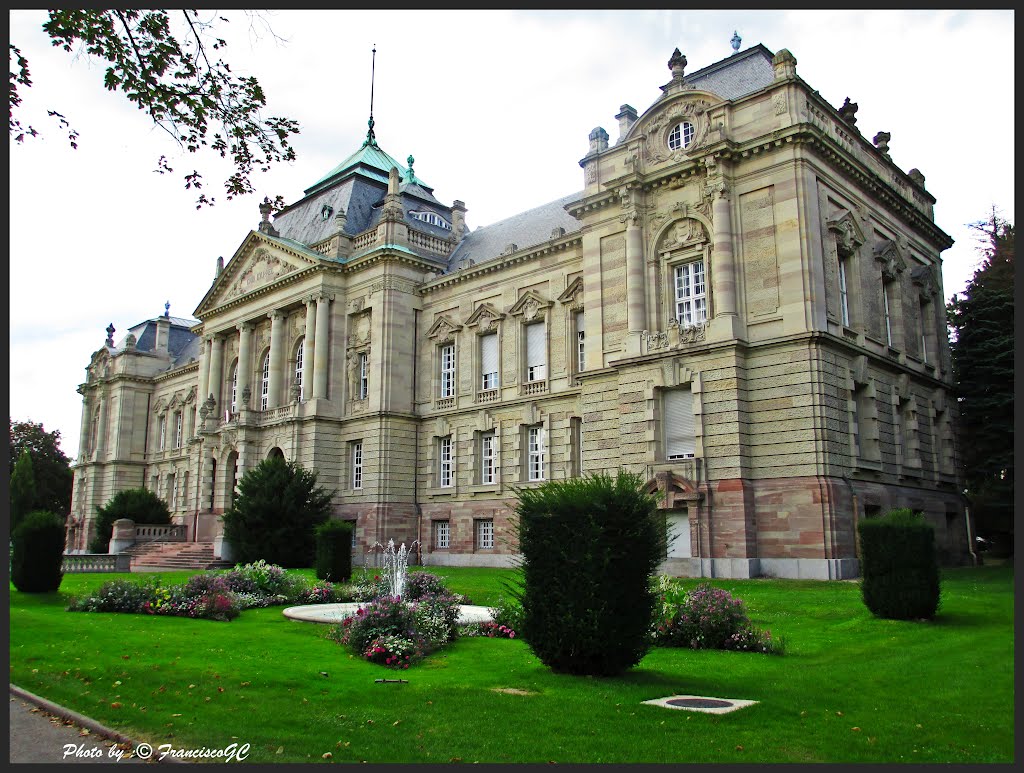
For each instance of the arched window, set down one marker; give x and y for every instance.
(298, 365)
(265, 384)
(234, 389)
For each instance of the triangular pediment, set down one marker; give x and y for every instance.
(258, 263)
(529, 306)
(485, 315)
(925, 278)
(573, 294)
(888, 254)
(444, 328)
(849, 235)
(672, 490)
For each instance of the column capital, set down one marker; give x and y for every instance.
(276, 315)
(244, 327)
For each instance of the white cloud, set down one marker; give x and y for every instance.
(495, 106)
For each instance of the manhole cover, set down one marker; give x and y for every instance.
(699, 703)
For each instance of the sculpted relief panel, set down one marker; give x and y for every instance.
(262, 269)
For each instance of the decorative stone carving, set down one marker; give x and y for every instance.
(359, 329)
(246, 395)
(572, 297)
(443, 330)
(888, 254)
(881, 141)
(264, 268)
(530, 306)
(655, 147)
(848, 112)
(779, 103)
(849, 236)
(486, 317)
(926, 280)
(687, 231)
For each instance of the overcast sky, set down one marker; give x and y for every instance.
(495, 106)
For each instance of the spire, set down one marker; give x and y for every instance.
(409, 176)
(736, 41)
(371, 140)
(167, 309)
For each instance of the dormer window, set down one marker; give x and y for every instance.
(681, 136)
(431, 217)
(326, 212)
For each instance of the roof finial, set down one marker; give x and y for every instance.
(110, 334)
(167, 309)
(736, 41)
(410, 176)
(371, 140)
(677, 64)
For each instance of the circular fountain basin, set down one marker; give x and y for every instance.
(335, 613)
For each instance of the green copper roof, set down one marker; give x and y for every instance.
(371, 157)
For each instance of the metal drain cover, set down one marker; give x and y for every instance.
(698, 703)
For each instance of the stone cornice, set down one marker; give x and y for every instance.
(489, 266)
(167, 375)
(591, 203)
(259, 292)
(389, 253)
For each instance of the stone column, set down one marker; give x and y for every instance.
(321, 348)
(276, 358)
(725, 324)
(101, 431)
(83, 436)
(204, 368)
(636, 315)
(216, 376)
(307, 350)
(206, 483)
(244, 361)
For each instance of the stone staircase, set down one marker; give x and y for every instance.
(156, 555)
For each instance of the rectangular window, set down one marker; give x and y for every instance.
(489, 361)
(536, 352)
(446, 462)
(364, 375)
(854, 426)
(680, 435)
(357, 464)
(163, 432)
(691, 300)
(536, 454)
(298, 366)
(885, 309)
(172, 493)
(844, 300)
(448, 370)
(576, 445)
(184, 490)
(488, 458)
(442, 535)
(484, 534)
(924, 331)
(153, 480)
(580, 335)
(177, 430)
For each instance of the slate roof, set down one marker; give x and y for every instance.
(738, 75)
(526, 229)
(182, 345)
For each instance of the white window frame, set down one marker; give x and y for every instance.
(445, 462)
(172, 491)
(357, 465)
(265, 384)
(581, 361)
(489, 379)
(488, 458)
(483, 537)
(536, 444)
(844, 299)
(234, 390)
(447, 357)
(681, 440)
(885, 312)
(442, 535)
(536, 351)
(364, 375)
(163, 432)
(681, 135)
(298, 365)
(177, 429)
(690, 292)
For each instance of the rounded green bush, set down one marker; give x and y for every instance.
(37, 560)
(334, 551)
(590, 547)
(137, 504)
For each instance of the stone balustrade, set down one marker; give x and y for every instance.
(97, 562)
(430, 242)
(167, 533)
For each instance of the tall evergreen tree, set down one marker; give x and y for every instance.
(23, 488)
(51, 468)
(981, 321)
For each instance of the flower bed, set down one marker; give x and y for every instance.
(219, 595)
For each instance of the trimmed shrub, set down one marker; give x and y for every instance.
(590, 547)
(334, 551)
(38, 553)
(23, 489)
(277, 508)
(899, 566)
(138, 504)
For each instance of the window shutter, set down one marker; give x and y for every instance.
(679, 424)
(489, 353)
(535, 354)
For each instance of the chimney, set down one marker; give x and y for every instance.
(598, 140)
(627, 117)
(458, 220)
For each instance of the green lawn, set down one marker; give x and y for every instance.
(850, 688)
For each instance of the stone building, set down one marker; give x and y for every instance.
(743, 304)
